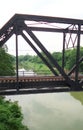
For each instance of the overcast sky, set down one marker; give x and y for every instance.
(57, 8)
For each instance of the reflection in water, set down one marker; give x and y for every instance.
(59, 111)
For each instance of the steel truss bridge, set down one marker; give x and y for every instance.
(71, 29)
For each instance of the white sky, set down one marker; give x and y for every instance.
(57, 8)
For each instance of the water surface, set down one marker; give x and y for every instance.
(58, 111)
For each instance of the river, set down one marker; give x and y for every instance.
(55, 111)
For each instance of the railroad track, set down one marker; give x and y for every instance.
(30, 79)
(8, 79)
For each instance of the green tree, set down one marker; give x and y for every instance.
(81, 55)
(58, 57)
(10, 116)
(36, 64)
(6, 64)
(70, 59)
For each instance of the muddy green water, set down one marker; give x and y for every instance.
(58, 111)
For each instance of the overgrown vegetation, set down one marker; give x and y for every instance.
(10, 113)
(10, 116)
(29, 62)
(78, 96)
(6, 64)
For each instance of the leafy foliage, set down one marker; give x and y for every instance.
(10, 116)
(58, 57)
(10, 113)
(36, 64)
(70, 59)
(6, 64)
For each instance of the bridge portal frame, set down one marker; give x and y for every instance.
(17, 25)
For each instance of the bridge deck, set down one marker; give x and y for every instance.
(35, 84)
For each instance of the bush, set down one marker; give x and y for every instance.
(10, 116)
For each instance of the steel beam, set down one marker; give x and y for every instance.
(6, 37)
(48, 19)
(7, 30)
(63, 51)
(17, 76)
(78, 54)
(58, 30)
(39, 91)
